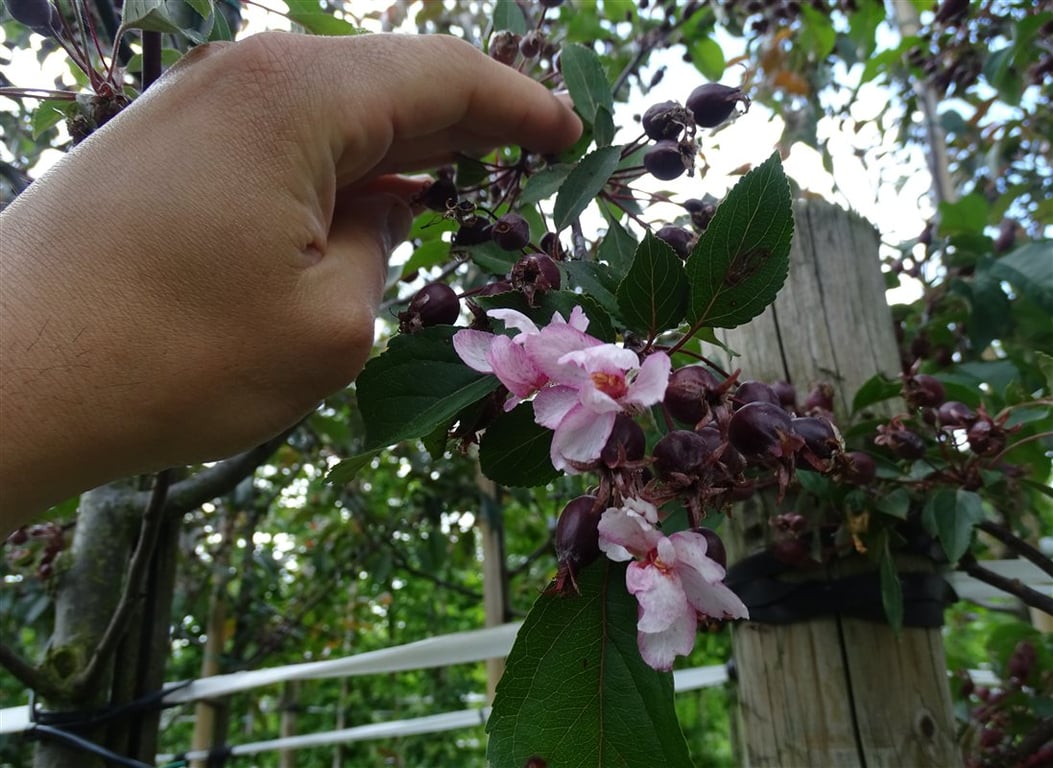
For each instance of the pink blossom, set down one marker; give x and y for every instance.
(672, 578)
(590, 386)
(522, 371)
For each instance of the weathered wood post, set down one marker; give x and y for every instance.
(831, 690)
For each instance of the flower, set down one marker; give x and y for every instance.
(672, 578)
(589, 388)
(522, 369)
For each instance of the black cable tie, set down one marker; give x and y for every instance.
(40, 731)
(771, 600)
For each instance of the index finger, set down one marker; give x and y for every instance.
(415, 99)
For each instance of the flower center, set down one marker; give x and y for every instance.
(611, 384)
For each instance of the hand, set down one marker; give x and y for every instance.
(198, 274)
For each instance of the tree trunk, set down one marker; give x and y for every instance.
(836, 690)
(290, 707)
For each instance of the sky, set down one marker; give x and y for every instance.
(886, 184)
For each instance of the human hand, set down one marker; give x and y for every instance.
(198, 274)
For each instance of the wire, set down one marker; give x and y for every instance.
(72, 740)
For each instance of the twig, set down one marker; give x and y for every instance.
(1029, 596)
(24, 672)
(577, 241)
(140, 563)
(1017, 544)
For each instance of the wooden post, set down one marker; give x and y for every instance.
(495, 576)
(831, 691)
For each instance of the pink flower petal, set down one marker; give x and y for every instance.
(644, 509)
(473, 348)
(554, 342)
(700, 579)
(651, 381)
(552, 405)
(580, 437)
(577, 319)
(596, 400)
(513, 366)
(691, 553)
(513, 319)
(661, 598)
(625, 534)
(660, 649)
(604, 358)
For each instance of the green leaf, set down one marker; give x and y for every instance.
(817, 33)
(967, 215)
(416, 385)
(1030, 269)
(583, 184)
(896, 503)
(49, 113)
(708, 57)
(741, 260)
(586, 80)
(576, 693)
(508, 15)
(203, 8)
(169, 56)
(603, 128)
(618, 247)
(426, 255)
(950, 517)
(543, 184)
(596, 280)
(653, 296)
(891, 589)
(153, 15)
(345, 471)
(514, 450)
(874, 390)
(309, 15)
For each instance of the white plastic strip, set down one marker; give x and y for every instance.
(456, 648)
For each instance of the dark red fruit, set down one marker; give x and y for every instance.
(820, 437)
(434, 304)
(577, 538)
(551, 246)
(1022, 660)
(955, 414)
(511, 232)
(924, 391)
(715, 550)
(472, 232)
(786, 393)
(690, 392)
(904, 443)
(701, 212)
(821, 398)
(986, 438)
(860, 467)
(665, 120)
(754, 392)
(627, 442)
(496, 287)
(991, 737)
(712, 103)
(18, 537)
(32, 13)
(680, 452)
(536, 273)
(665, 160)
(678, 238)
(504, 47)
(440, 195)
(760, 429)
(531, 44)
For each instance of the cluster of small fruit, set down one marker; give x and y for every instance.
(761, 16)
(37, 545)
(727, 439)
(996, 714)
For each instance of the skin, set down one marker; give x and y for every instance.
(198, 274)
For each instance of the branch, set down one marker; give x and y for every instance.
(1029, 596)
(219, 479)
(153, 517)
(1017, 544)
(24, 672)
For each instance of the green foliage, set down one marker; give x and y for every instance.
(653, 296)
(618, 712)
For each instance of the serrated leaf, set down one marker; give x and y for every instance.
(508, 15)
(875, 390)
(741, 260)
(345, 471)
(653, 296)
(950, 516)
(203, 8)
(576, 693)
(596, 280)
(891, 590)
(514, 450)
(603, 128)
(543, 184)
(583, 184)
(586, 80)
(618, 248)
(896, 503)
(416, 385)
